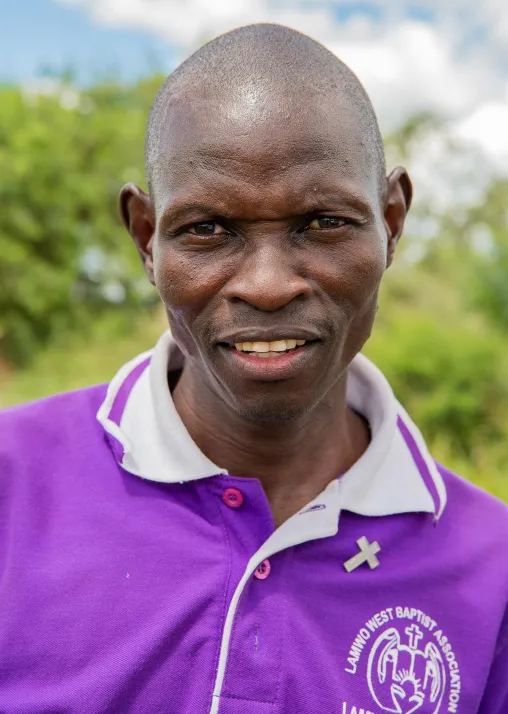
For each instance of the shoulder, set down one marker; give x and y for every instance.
(37, 426)
(472, 508)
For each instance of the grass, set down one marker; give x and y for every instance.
(77, 361)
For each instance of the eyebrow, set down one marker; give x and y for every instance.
(178, 210)
(308, 203)
(196, 211)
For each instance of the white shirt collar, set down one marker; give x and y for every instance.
(396, 474)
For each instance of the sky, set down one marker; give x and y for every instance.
(449, 57)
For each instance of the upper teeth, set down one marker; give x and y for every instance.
(275, 346)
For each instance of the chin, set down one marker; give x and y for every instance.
(272, 409)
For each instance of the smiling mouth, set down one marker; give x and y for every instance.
(269, 360)
(265, 350)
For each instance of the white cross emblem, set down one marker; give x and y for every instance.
(367, 554)
(415, 635)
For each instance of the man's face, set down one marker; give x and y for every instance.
(269, 227)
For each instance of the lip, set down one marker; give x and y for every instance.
(259, 334)
(270, 369)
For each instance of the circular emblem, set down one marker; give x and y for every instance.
(408, 663)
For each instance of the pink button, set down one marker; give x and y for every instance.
(263, 570)
(232, 497)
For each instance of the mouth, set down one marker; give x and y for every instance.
(267, 350)
(269, 360)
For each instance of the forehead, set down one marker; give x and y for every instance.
(302, 145)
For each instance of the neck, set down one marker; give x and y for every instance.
(294, 460)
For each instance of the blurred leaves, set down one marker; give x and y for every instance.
(65, 257)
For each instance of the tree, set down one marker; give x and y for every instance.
(65, 257)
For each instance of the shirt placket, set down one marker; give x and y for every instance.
(253, 675)
(249, 668)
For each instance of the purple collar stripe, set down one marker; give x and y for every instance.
(421, 464)
(116, 447)
(118, 406)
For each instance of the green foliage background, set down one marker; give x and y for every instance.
(74, 304)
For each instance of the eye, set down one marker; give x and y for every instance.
(206, 228)
(326, 222)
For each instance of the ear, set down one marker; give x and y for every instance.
(398, 199)
(138, 216)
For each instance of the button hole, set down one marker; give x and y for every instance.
(316, 507)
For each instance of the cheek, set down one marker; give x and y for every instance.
(187, 283)
(369, 270)
(366, 270)
(354, 275)
(171, 280)
(178, 278)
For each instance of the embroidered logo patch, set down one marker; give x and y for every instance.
(408, 664)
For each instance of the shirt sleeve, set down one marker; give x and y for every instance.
(495, 696)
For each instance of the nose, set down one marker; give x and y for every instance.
(267, 279)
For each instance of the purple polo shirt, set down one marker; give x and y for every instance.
(137, 577)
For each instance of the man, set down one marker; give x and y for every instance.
(252, 524)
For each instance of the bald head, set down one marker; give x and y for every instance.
(265, 70)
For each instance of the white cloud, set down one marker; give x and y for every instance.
(487, 126)
(410, 67)
(443, 56)
(188, 23)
